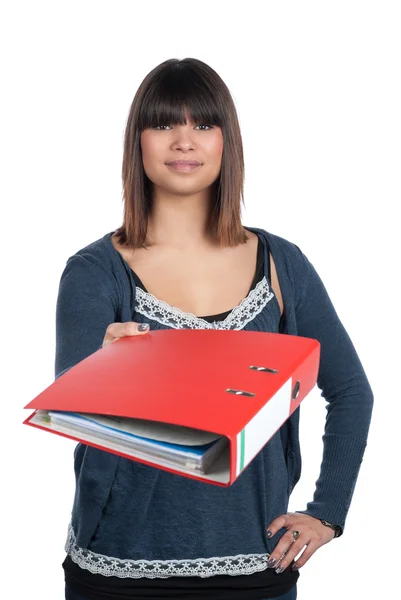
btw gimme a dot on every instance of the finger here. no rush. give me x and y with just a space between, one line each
306 554
286 550
115 331
288 556
129 328
278 523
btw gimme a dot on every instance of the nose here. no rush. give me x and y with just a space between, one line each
183 137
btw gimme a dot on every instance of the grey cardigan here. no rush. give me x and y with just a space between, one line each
132 520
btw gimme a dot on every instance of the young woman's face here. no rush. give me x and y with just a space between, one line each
202 144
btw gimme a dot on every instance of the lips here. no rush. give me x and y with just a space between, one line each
184 166
184 163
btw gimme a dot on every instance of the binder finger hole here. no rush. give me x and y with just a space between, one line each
295 390
240 393
263 369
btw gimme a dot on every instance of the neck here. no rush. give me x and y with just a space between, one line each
180 221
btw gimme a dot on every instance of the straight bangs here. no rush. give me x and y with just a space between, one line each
178 94
172 92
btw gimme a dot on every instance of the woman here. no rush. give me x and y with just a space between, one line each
182 259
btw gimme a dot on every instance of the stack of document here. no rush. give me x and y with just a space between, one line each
163 443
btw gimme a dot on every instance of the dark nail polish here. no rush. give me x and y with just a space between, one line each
279 570
269 533
143 327
271 562
294 568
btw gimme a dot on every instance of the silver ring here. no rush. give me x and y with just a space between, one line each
295 534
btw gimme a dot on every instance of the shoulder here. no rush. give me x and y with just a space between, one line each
286 254
291 268
100 249
97 260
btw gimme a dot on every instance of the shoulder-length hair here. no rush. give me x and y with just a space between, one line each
168 92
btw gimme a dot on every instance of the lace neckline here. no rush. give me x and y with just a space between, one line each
157 310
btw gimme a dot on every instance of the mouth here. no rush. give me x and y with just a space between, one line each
184 165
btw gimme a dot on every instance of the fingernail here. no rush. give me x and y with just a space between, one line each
279 570
143 327
271 562
294 567
269 533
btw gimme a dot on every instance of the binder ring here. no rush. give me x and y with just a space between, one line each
240 393
263 369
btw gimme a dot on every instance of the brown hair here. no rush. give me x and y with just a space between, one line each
169 91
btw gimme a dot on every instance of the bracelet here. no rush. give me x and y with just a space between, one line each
336 528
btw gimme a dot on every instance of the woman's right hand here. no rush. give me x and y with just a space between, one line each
115 331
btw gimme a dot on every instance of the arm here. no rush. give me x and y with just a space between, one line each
85 308
344 385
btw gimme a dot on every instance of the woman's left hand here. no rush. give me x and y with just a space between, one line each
312 534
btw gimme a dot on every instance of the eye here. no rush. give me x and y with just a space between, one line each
205 125
159 127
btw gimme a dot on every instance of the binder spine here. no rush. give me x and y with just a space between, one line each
263 426
240 447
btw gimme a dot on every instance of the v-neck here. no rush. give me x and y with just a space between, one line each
220 316
236 318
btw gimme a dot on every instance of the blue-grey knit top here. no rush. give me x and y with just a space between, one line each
133 520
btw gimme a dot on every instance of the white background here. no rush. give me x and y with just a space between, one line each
317 89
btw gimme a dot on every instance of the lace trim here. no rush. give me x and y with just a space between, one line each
158 310
241 564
